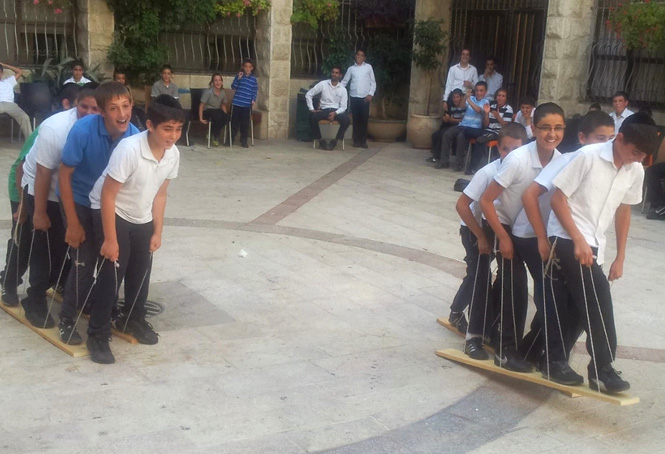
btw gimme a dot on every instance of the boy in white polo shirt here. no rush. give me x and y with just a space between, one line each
597 187
132 196
501 204
478 239
560 334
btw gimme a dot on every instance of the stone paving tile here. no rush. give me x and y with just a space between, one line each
336 434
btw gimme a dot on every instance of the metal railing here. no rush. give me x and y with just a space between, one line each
220 46
612 67
34 33
512 31
309 48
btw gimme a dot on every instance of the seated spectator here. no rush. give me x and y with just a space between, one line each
500 114
138 115
525 115
7 104
462 76
165 85
594 106
332 107
77 74
594 127
493 79
213 107
620 103
471 127
451 118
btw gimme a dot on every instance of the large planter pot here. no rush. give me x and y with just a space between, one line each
419 130
386 130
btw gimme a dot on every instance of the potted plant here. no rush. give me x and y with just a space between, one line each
240 7
313 12
429 41
640 25
390 58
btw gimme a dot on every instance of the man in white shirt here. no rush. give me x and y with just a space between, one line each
332 106
621 112
7 104
77 74
596 188
493 79
362 85
40 180
463 76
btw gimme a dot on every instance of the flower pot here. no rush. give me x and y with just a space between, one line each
386 130
419 130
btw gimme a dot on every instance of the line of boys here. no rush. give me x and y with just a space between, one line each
561 243
111 186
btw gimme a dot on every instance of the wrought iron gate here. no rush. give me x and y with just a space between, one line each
512 31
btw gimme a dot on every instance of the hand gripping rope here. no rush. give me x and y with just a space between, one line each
131 309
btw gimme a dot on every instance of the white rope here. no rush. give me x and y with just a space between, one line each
32 242
503 274
138 293
55 288
473 293
512 298
547 344
586 307
487 289
602 317
94 281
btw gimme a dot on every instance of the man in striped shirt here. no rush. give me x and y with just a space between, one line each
246 87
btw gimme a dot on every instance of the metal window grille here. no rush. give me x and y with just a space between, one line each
511 31
612 67
34 33
220 46
309 48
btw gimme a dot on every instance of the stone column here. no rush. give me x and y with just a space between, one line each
94 33
273 44
568 36
429 9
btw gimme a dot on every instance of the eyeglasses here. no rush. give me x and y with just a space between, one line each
551 128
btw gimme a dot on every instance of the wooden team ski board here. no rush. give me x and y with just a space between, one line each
119 334
621 399
51 334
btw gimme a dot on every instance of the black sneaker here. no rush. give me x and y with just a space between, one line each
139 328
9 297
431 159
560 372
68 333
511 361
458 320
99 348
331 145
474 349
37 313
608 381
244 145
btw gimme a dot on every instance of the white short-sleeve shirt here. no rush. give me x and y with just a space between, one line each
516 173
595 188
523 227
618 119
47 150
133 164
7 89
476 187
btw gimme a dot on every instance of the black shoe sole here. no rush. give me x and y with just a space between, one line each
593 384
10 303
562 382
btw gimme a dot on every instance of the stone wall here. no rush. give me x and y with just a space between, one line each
569 32
94 33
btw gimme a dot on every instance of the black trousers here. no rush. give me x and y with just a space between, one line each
240 118
512 299
449 144
475 289
589 291
48 251
437 138
84 260
652 179
360 112
218 119
134 266
16 261
342 118
463 145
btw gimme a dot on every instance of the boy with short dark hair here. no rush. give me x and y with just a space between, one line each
501 204
478 240
165 85
247 88
77 74
85 156
131 194
621 111
451 117
596 188
525 115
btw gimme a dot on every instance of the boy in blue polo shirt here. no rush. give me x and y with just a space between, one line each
84 158
131 194
246 87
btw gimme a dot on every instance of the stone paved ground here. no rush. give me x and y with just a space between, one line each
323 336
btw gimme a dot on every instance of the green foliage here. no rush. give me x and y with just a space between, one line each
313 12
391 60
136 47
239 7
429 41
640 25
340 53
